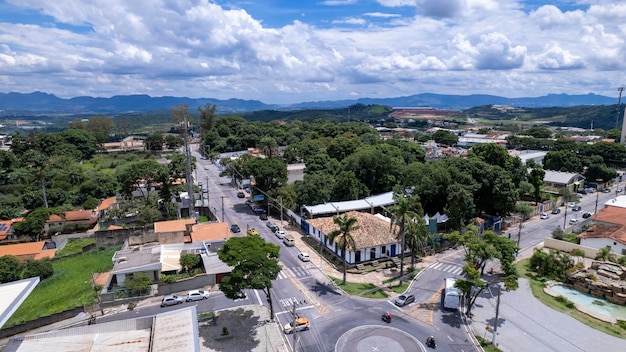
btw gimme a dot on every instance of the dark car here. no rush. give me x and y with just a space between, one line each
263 216
586 215
576 208
556 211
235 228
241 195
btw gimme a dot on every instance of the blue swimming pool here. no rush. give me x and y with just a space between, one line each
599 305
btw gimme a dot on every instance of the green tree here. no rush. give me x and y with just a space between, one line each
416 237
100 127
605 254
207 117
459 207
141 175
189 261
173 142
553 265
10 269
343 237
255 266
446 138
536 179
154 142
138 283
148 214
268 145
34 222
270 174
42 268
406 209
480 248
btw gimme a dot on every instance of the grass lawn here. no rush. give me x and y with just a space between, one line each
75 246
537 287
69 287
360 289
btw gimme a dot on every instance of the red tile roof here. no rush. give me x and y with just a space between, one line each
611 223
173 225
210 231
74 215
23 249
106 204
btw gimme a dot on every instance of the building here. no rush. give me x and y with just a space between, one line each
173 231
30 250
79 220
609 228
375 238
558 179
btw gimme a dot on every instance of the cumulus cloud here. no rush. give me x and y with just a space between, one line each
400 47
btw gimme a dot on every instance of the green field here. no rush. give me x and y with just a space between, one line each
69 287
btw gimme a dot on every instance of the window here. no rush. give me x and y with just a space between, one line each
373 253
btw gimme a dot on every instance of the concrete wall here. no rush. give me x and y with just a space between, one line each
135 236
194 283
39 322
569 247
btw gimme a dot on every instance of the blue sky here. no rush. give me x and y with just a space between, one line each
280 51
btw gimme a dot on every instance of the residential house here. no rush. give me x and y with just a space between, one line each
6 229
209 232
375 238
105 206
558 179
173 231
608 230
30 250
71 220
129 261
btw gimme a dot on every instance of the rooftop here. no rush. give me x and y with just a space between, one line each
372 230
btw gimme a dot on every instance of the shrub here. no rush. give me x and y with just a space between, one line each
189 261
42 268
138 282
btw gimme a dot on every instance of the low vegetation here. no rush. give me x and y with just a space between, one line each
366 290
70 286
75 246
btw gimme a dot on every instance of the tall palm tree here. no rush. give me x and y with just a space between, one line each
416 236
268 145
343 237
401 213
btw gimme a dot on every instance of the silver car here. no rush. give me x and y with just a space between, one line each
197 295
171 300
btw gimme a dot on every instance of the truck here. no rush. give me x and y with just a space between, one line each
451 294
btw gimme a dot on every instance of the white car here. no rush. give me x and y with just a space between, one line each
280 234
544 216
197 295
304 257
573 221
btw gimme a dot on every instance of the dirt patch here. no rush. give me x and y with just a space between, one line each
101 278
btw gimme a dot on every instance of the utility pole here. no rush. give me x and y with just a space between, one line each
281 213
619 107
189 178
598 181
223 219
519 232
293 328
495 323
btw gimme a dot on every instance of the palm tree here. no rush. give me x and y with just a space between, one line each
344 238
268 145
605 254
416 237
401 213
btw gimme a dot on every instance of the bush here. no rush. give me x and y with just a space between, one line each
189 261
10 269
139 282
167 279
42 268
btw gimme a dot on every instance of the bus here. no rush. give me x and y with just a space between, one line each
451 294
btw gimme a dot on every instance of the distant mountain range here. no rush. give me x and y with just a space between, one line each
43 103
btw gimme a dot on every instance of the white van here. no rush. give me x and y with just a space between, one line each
289 240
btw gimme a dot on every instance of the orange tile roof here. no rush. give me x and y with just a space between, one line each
611 224
46 253
106 204
173 225
21 249
73 215
6 227
115 227
210 231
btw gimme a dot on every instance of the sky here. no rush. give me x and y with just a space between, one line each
290 51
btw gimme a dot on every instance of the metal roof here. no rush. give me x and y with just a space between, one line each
560 177
13 295
376 201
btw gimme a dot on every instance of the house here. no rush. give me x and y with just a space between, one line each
30 250
209 232
6 229
104 207
375 238
173 231
558 179
609 230
129 261
69 221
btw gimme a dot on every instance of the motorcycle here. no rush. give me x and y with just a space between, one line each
386 318
431 343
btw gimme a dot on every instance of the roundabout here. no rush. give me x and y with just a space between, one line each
372 338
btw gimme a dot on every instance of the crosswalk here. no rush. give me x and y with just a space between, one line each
454 269
296 272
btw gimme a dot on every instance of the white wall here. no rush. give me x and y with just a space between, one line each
616 247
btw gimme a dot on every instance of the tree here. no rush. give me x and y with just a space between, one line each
154 142
605 254
343 237
446 138
141 175
479 248
189 261
138 282
524 210
173 142
207 117
268 145
552 265
536 179
10 269
42 268
406 209
34 222
416 236
255 265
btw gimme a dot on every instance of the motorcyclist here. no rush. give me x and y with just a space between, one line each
388 316
430 341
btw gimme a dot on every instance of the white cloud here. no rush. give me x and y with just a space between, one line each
200 49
